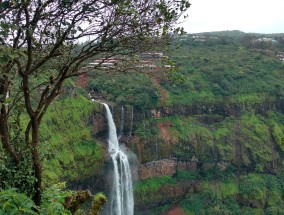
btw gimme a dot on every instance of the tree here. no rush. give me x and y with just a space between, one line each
39 50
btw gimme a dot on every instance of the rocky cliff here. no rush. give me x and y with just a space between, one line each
209 139
171 140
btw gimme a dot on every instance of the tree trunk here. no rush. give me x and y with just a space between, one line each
36 162
5 139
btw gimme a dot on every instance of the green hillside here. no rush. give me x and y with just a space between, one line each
222 105
227 101
219 112
233 70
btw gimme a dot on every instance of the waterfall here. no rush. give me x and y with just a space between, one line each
131 123
121 123
112 110
121 202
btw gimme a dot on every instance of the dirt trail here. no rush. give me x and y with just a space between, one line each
163 92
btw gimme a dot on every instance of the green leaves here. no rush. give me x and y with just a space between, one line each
7 53
4 28
66 4
12 202
3 58
53 198
98 202
4 5
19 176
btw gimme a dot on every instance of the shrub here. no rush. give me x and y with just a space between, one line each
12 202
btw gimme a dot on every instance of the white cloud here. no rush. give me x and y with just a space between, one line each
246 15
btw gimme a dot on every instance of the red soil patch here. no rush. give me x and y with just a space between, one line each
82 80
175 211
164 130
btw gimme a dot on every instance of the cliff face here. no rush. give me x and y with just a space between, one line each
210 135
164 167
169 141
221 109
182 132
159 133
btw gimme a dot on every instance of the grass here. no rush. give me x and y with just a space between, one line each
153 184
66 135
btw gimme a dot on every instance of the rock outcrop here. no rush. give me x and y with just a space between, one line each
222 109
157 168
164 167
164 152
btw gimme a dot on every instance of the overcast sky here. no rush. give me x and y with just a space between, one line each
259 16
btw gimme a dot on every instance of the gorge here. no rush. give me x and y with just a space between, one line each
212 147
109 107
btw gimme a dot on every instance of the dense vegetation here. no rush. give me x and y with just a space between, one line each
220 194
124 89
245 137
72 152
69 153
232 70
39 51
225 110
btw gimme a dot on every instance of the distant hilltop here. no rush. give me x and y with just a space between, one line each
222 37
234 33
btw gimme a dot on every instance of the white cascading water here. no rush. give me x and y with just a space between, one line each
121 123
131 123
122 202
